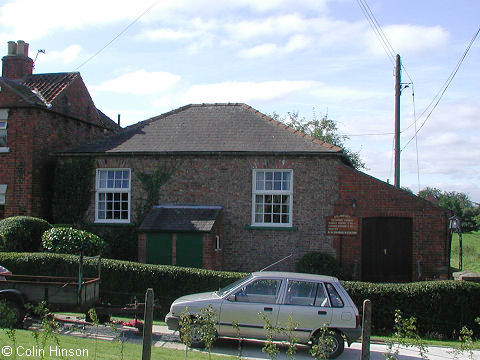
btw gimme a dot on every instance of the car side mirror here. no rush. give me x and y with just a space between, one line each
232 297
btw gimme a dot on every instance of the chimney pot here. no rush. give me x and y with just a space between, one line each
12 48
21 47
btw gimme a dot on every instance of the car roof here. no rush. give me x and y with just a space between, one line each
294 275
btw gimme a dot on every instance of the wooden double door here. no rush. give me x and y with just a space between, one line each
387 249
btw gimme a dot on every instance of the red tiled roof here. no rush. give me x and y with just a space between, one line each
48 86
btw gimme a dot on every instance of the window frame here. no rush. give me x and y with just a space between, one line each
3 194
99 189
271 192
4 129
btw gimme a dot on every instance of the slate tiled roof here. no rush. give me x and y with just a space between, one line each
210 128
191 218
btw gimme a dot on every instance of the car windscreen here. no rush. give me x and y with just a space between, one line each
231 286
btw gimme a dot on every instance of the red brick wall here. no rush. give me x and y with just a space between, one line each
321 187
375 198
33 136
75 101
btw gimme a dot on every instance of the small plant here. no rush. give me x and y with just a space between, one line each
290 326
185 324
92 314
239 339
466 343
405 333
270 347
7 321
49 327
323 344
120 338
207 327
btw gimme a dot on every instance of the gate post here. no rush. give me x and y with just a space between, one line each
147 328
366 329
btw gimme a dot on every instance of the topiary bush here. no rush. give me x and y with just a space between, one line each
72 241
318 263
22 233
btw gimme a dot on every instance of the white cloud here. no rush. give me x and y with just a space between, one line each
259 51
167 34
409 39
244 91
139 82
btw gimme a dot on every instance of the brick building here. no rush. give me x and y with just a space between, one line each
40 114
233 189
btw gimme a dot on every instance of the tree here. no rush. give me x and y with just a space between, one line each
323 129
458 203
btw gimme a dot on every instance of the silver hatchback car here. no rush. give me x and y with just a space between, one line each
312 301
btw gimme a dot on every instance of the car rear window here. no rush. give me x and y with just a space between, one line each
333 295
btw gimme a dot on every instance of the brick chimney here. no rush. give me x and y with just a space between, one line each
16 64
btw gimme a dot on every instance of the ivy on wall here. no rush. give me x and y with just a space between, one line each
151 185
73 190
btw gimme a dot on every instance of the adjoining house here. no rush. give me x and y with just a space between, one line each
40 114
223 186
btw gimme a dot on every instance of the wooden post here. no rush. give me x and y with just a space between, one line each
366 329
147 327
460 251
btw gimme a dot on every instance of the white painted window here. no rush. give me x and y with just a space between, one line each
112 196
272 198
3 191
3 133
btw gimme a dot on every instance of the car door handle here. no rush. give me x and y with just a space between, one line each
322 312
267 309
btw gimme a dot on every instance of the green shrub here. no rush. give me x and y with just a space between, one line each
22 233
121 241
318 263
72 241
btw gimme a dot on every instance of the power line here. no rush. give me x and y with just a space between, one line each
118 35
444 87
377 29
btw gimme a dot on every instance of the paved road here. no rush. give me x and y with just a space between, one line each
162 337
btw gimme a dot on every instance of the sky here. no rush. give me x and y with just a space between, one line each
314 57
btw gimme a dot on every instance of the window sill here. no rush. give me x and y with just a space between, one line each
279 228
4 149
98 223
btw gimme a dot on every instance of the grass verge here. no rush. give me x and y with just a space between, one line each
81 348
471 251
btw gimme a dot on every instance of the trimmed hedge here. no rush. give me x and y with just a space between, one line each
22 233
123 281
439 306
72 241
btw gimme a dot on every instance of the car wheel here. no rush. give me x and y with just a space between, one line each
331 344
195 336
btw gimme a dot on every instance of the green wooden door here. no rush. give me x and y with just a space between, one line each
159 248
190 250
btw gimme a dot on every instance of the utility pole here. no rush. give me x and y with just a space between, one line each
398 91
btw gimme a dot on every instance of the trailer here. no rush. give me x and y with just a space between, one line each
76 294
